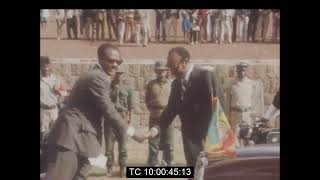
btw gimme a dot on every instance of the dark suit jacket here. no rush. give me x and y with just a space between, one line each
79 126
276 100
195 109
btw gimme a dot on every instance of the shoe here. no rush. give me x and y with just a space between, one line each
192 43
122 172
109 172
144 45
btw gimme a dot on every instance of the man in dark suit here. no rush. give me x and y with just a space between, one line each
191 99
272 109
77 134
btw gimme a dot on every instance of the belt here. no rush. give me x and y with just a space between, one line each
156 108
240 109
48 108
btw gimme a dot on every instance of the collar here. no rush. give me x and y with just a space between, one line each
47 79
187 77
99 67
244 79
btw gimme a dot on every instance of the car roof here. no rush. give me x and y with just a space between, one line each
259 150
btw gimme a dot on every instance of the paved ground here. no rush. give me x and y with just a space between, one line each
138 155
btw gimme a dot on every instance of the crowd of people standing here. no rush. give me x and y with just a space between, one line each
198 25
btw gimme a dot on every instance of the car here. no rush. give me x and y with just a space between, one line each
259 162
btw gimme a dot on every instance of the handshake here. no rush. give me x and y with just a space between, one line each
140 137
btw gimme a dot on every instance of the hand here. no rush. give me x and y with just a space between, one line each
214 103
139 137
153 132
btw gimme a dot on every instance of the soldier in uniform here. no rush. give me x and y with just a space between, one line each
121 96
157 95
263 25
241 99
50 94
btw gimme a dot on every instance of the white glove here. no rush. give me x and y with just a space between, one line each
130 131
99 161
153 132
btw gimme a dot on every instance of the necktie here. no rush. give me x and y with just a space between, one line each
183 87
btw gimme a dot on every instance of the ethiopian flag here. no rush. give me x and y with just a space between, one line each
220 140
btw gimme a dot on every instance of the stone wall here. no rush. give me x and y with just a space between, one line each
139 72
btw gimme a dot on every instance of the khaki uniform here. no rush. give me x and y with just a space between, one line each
241 102
263 25
48 104
157 96
121 96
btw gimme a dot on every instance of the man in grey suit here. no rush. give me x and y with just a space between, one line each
77 134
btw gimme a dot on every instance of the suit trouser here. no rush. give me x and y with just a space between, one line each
203 29
129 28
172 25
90 22
252 27
226 25
262 26
72 25
81 24
111 136
63 164
168 152
121 31
215 28
142 29
100 25
234 28
243 28
191 148
160 22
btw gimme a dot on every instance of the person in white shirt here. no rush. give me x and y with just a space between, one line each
226 25
52 91
44 17
141 22
273 109
241 101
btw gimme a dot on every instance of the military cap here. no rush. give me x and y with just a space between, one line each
242 66
160 65
120 70
44 60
